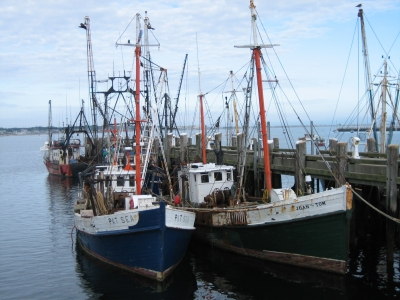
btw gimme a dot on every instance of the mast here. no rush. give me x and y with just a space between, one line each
137 102
234 105
49 125
175 109
203 128
369 82
256 55
91 74
394 116
137 120
384 113
146 63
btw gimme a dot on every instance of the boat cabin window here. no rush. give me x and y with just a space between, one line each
120 181
217 176
131 180
228 176
204 178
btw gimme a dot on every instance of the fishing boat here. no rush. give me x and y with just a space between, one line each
120 225
308 230
62 157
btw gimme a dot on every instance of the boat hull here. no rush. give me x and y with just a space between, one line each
311 231
315 242
66 170
148 247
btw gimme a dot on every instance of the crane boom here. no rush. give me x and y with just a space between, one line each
179 92
91 76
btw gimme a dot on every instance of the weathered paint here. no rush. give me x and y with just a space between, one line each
147 241
310 231
318 243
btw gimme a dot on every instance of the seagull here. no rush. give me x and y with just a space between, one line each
359 5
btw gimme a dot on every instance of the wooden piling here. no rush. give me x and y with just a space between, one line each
218 140
156 147
168 146
234 141
276 143
391 199
301 151
183 146
276 178
256 145
341 154
332 144
371 145
198 145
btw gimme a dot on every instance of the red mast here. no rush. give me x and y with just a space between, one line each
257 54
267 165
137 119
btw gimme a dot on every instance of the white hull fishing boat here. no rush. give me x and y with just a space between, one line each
311 230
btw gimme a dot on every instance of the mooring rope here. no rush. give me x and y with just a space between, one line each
374 208
72 230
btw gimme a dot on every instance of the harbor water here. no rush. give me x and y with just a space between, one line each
39 258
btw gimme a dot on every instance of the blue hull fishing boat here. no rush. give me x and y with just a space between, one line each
149 240
120 225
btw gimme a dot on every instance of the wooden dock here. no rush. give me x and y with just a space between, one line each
370 169
374 176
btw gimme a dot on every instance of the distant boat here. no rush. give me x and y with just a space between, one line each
62 157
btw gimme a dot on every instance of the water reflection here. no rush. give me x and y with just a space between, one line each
239 277
102 281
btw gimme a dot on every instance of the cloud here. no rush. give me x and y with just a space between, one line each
43 52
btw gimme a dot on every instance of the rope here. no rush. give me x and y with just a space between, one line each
127 27
374 208
100 203
265 196
71 234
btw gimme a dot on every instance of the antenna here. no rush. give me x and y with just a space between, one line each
203 130
198 64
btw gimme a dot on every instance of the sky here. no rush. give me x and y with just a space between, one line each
43 52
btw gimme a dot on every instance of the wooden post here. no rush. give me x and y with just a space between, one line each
198 145
168 145
256 145
332 143
391 199
234 141
341 154
156 145
177 141
300 162
276 143
276 178
371 147
218 140
240 141
183 146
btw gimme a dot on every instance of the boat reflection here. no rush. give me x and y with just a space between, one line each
238 277
102 281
